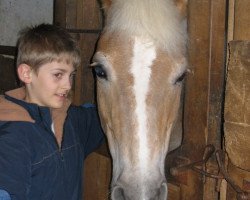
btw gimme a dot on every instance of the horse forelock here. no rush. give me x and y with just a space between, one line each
158 20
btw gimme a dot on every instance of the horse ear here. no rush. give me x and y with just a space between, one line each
105 5
182 7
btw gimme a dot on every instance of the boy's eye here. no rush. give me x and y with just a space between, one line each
58 75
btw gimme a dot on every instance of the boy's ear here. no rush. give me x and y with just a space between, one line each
24 73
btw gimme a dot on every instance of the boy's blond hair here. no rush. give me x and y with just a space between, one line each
45 43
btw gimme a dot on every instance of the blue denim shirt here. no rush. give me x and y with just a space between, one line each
4 195
33 167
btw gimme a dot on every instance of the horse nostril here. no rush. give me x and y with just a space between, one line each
163 191
117 193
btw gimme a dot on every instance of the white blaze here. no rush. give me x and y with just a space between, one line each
143 56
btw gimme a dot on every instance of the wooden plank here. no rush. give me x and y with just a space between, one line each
238 20
196 94
84 84
78 14
8 75
216 71
242 20
71 14
89 15
237 105
238 29
97 173
196 88
203 92
60 13
237 115
216 88
8 50
230 26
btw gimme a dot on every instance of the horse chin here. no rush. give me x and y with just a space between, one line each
133 183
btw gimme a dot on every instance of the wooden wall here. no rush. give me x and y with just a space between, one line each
238 58
8 75
203 96
212 25
238 20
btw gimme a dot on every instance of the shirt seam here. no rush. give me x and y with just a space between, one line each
48 156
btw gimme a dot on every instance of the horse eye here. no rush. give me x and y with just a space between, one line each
180 78
100 72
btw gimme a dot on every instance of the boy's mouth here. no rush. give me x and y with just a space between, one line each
62 95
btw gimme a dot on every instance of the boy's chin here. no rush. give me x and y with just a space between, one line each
57 106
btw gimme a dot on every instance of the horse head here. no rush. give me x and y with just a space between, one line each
140 63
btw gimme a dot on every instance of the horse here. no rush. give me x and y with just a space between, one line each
140 63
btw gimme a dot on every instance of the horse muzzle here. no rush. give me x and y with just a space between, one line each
123 193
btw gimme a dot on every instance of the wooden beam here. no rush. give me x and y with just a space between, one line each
8 50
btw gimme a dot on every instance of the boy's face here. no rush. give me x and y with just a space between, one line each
51 84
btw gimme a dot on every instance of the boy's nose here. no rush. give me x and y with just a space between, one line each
67 84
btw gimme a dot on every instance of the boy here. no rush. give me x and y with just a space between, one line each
43 138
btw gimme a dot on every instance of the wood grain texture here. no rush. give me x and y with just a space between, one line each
242 20
237 105
203 92
97 173
9 79
236 138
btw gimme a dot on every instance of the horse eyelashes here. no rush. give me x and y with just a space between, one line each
180 78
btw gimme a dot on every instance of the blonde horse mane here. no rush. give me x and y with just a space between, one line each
157 20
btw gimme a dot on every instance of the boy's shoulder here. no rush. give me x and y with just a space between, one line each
10 111
83 113
82 109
